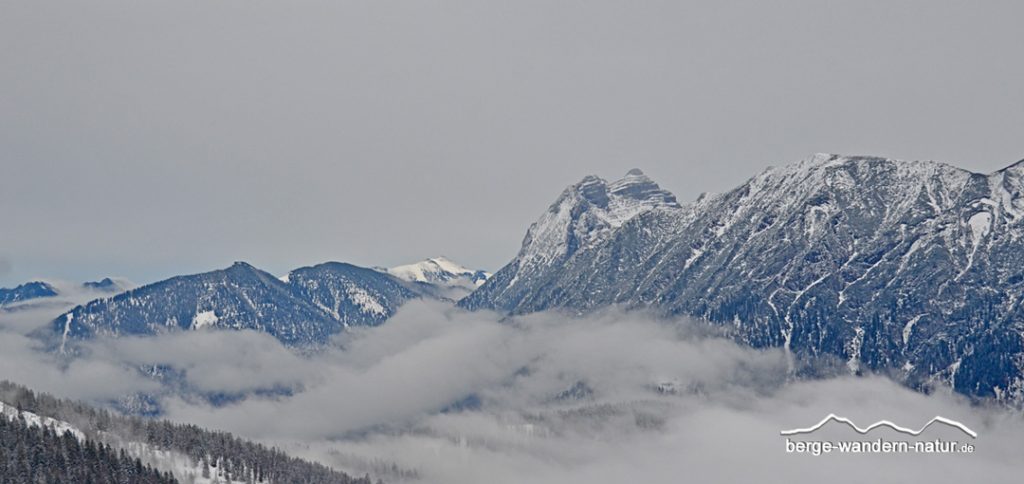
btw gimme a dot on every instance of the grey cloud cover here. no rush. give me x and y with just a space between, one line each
652 400
149 139
719 420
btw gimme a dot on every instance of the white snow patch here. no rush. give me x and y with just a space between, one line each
909 327
854 347
447 265
980 224
182 466
67 330
1008 202
953 369
58 426
204 319
693 257
366 302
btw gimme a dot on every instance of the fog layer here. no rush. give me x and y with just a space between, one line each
441 395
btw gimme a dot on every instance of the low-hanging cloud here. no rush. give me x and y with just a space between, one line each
25 359
441 395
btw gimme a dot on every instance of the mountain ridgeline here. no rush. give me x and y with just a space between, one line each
303 308
907 268
26 292
29 294
911 269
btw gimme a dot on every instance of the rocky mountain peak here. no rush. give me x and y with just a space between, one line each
906 267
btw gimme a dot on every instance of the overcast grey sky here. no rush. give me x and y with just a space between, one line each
147 139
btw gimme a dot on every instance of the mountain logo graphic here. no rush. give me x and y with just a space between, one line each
882 423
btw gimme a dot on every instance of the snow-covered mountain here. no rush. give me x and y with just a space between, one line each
26 292
107 285
585 216
35 291
304 308
451 280
909 268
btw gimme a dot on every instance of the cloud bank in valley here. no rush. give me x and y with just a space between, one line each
24 359
440 395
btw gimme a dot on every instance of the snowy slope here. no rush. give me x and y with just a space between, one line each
350 294
183 468
11 413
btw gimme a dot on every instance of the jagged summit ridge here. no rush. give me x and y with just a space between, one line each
587 211
885 265
584 216
637 186
26 292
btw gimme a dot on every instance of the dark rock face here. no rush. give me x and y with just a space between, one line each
908 268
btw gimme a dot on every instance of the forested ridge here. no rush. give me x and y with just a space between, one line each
218 456
37 454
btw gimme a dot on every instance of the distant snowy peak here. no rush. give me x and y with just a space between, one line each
35 292
439 270
439 278
108 285
26 292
